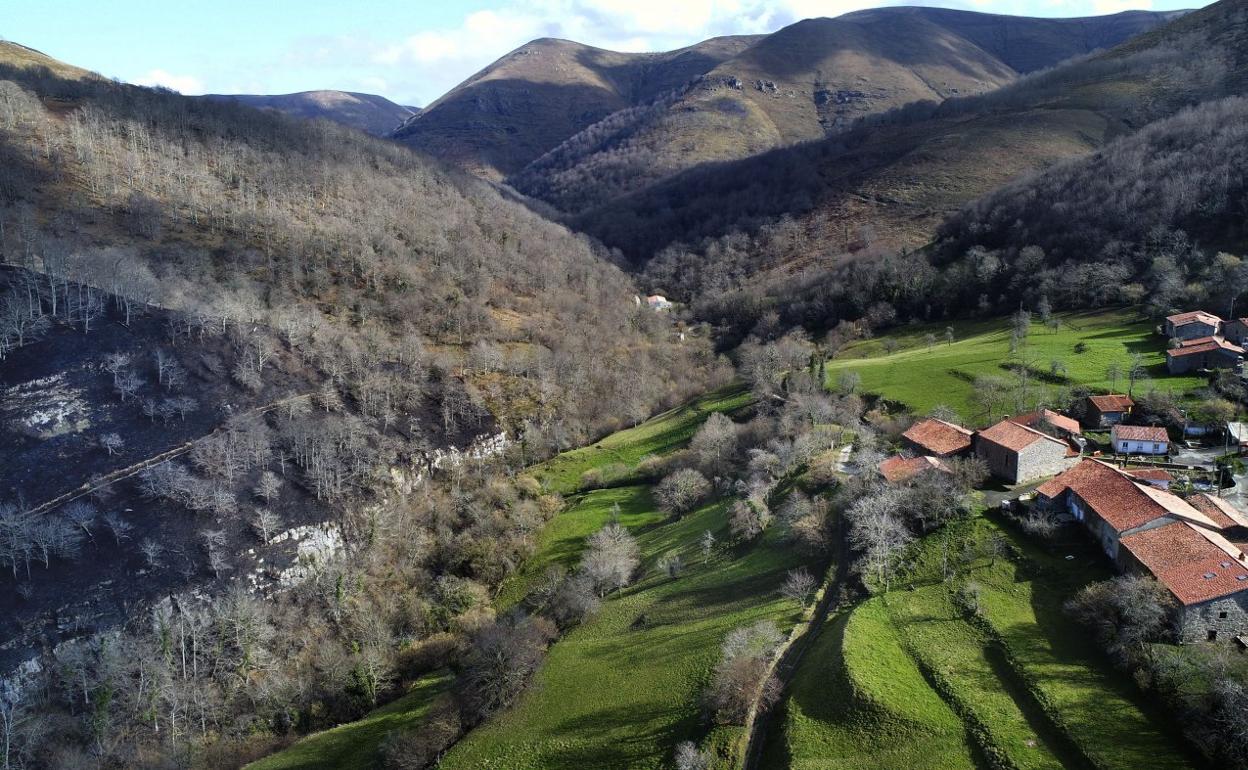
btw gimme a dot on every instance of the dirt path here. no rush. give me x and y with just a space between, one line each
131 470
790 656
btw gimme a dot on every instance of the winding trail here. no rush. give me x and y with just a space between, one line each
130 470
789 657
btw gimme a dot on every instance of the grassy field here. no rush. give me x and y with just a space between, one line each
858 700
922 377
687 620
1104 712
659 435
623 689
354 746
860 688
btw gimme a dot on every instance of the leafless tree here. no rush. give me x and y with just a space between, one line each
682 491
115 364
112 443
268 486
715 441
120 528
688 757
127 384
798 586
610 559
82 514
742 677
265 523
152 552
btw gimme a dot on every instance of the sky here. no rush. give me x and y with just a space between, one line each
410 52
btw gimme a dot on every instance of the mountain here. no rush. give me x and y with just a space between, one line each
540 94
892 180
809 80
225 339
369 113
18 55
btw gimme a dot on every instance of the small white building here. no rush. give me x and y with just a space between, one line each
658 302
1140 440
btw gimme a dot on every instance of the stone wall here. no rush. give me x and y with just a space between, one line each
1196 621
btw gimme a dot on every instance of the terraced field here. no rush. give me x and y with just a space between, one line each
922 373
622 690
1018 685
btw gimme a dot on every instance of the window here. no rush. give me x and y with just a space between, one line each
1222 615
1213 635
1156 447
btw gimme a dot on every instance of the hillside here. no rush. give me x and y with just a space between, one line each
369 113
538 95
229 352
809 80
794 222
18 55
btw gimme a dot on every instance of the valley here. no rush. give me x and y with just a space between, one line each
819 393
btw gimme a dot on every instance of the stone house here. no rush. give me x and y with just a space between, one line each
1140 440
938 438
1204 353
1236 331
1018 454
1205 572
1103 411
1193 547
1193 325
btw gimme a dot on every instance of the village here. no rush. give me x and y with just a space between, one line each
1153 504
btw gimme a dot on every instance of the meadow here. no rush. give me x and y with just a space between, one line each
1022 680
623 689
354 746
922 374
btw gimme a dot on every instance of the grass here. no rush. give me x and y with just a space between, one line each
1105 713
858 700
921 377
622 690
659 435
354 746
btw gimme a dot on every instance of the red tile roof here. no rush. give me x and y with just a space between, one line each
1195 566
1015 437
1181 319
1112 403
1118 499
939 437
1048 417
1220 511
1150 474
1153 433
1203 345
898 468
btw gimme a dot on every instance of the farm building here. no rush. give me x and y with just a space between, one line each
1140 440
1193 325
938 438
1192 547
1204 353
1108 410
1236 330
1050 422
897 469
658 302
1018 454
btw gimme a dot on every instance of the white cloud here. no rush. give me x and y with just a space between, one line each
184 84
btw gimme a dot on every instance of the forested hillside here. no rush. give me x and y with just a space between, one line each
231 345
370 113
809 80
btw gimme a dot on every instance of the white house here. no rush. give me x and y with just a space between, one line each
1140 440
658 302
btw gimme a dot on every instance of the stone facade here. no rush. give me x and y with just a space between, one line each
1039 459
1219 620
1191 330
1209 359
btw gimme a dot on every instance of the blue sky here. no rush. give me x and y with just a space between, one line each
409 51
